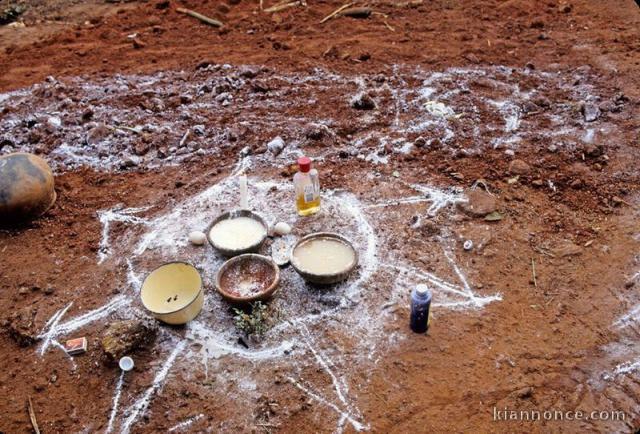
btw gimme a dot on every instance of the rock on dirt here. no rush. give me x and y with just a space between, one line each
479 203
363 101
590 112
567 248
519 167
276 146
21 328
124 337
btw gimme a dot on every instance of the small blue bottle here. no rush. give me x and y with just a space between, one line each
420 305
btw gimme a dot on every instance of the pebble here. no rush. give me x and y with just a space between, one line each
519 167
197 238
590 112
276 146
363 101
509 152
479 203
282 228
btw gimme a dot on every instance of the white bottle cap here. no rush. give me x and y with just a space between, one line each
422 289
126 363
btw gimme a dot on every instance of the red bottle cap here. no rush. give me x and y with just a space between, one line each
304 163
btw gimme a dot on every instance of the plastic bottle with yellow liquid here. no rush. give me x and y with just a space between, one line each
307 188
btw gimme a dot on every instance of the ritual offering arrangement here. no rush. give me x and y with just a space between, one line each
247 278
237 232
307 188
324 258
173 293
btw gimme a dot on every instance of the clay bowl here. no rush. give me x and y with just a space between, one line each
247 278
173 293
324 279
234 214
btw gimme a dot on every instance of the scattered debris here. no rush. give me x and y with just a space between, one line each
359 12
203 18
285 5
32 416
336 12
76 346
124 337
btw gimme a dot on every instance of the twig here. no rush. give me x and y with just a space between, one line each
261 5
203 18
336 12
282 6
533 270
32 416
388 26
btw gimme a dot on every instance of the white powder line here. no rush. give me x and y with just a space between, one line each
69 356
463 279
402 201
626 368
132 278
115 214
445 286
323 363
51 333
628 318
92 316
140 406
341 423
186 424
356 425
115 402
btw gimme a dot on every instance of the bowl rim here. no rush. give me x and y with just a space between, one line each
332 235
238 213
197 294
247 299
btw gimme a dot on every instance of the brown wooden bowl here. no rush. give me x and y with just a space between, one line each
248 278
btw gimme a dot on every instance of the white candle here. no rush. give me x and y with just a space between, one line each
244 194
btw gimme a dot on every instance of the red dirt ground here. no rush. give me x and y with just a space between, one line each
546 345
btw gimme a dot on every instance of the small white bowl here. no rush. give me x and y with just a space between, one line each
126 363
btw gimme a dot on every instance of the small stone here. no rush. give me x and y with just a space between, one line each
509 152
314 132
197 238
276 146
282 228
566 249
363 101
97 134
124 337
590 111
49 290
525 393
592 150
537 182
132 161
420 142
629 283
552 148
21 328
137 43
519 167
479 203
